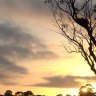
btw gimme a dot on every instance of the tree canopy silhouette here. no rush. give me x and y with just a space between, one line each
28 93
8 93
86 90
19 93
76 21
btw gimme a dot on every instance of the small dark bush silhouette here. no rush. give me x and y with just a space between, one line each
28 93
8 93
19 93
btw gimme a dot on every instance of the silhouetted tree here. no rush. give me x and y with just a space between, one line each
28 93
86 90
59 95
1 95
8 93
19 93
75 19
68 95
39 95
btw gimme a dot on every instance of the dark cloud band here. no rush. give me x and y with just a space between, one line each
64 81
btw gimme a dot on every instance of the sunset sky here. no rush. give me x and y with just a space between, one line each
31 53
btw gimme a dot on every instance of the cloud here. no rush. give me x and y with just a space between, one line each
16 45
15 42
64 81
8 65
33 6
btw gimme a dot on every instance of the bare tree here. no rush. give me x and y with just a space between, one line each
75 19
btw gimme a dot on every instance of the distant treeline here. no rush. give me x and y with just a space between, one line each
27 93
19 93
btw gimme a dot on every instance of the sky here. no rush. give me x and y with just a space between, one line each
31 53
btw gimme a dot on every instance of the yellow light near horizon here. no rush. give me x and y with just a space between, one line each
73 91
94 86
84 90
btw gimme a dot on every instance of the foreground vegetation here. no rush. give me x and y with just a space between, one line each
86 90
